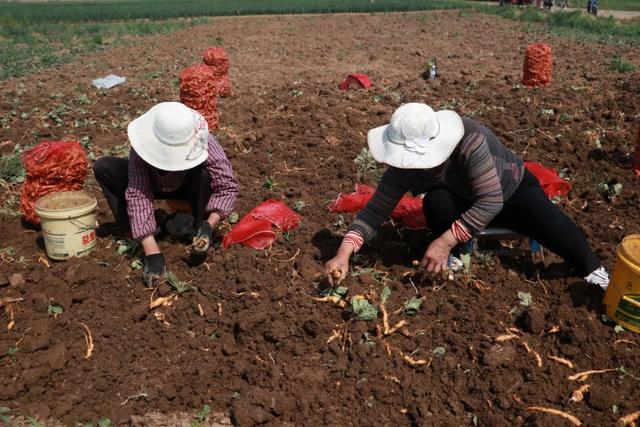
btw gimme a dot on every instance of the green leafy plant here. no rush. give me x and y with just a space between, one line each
11 169
362 309
179 285
202 416
296 93
54 310
233 218
384 296
439 351
620 65
412 306
525 299
299 205
268 183
136 264
4 415
12 352
105 422
127 247
610 191
466 263
367 166
340 291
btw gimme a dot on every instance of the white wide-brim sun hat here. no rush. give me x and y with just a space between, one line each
170 136
416 137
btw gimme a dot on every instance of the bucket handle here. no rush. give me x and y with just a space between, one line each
631 301
82 226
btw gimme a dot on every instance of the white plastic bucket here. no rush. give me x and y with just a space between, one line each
68 221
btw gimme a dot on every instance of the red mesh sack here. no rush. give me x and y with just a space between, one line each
537 65
551 183
197 91
51 166
408 211
636 160
255 228
218 60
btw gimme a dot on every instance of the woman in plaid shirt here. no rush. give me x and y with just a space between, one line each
173 156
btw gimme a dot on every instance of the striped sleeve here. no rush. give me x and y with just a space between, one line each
379 208
139 197
224 185
484 182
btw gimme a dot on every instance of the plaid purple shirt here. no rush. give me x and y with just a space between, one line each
144 180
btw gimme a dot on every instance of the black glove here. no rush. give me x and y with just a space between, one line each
202 240
154 269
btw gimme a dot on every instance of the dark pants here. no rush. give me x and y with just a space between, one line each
528 212
112 173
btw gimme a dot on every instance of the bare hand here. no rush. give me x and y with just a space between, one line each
436 257
336 269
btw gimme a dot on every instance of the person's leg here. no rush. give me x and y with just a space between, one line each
196 189
530 212
441 208
112 173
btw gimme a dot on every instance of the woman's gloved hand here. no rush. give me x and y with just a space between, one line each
201 243
154 269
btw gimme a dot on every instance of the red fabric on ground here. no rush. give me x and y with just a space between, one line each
408 211
197 91
358 79
550 182
538 65
255 228
51 166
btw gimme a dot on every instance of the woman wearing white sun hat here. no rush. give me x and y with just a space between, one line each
172 156
470 180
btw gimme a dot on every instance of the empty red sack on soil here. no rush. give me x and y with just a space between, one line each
51 166
550 182
197 91
255 228
538 65
356 79
408 211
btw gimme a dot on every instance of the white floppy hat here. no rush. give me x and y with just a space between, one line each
417 137
170 136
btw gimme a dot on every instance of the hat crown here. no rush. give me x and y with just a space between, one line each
173 123
413 125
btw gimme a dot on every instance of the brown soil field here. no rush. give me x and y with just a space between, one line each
252 341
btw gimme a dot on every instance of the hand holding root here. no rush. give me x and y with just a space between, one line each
335 270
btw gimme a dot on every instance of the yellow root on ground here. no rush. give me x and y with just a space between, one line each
628 419
160 301
577 395
581 376
571 418
535 354
88 340
562 361
335 299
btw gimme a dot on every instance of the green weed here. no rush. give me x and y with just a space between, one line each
620 65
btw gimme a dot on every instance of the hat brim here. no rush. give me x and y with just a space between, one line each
437 151
153 151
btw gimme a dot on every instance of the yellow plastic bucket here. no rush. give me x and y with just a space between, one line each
68 222
622 299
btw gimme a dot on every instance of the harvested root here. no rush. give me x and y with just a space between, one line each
385 318
415 263
628 419
335 299
161 301
220 309
506 337
571 418
554 330
616 342
414 362
336 275
42 260
8 301
160 318
536 355
88 339
200 243
251 294
200 310
577 395
582 376
336 334
394 329
562 361
12 321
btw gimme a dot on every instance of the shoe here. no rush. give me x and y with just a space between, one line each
598 277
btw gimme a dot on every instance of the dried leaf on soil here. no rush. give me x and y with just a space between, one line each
571 418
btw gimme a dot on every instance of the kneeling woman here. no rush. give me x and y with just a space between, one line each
173 156
470 181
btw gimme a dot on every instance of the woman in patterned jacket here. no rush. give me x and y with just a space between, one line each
470 181
173 156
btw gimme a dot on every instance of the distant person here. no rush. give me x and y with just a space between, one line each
173 156
470 182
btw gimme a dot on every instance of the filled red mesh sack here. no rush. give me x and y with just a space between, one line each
408 211
51 166
218 60
255 228
537 65
636 160
197 91
551 183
